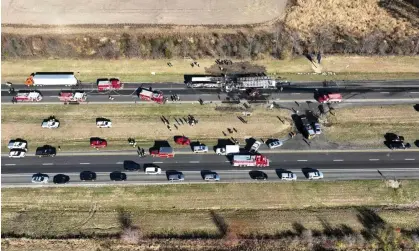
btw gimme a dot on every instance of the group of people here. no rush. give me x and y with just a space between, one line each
141 152
195 63
175 97
224 61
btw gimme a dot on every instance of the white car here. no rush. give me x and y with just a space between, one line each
315 175
51 124
104 124
274 144
200 149
255 146
17 144
17 153
288 176
317 128
152 170
40 178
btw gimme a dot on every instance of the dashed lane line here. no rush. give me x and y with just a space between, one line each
10 164
47 164
338 160
193 161
157 162
373 159
302 160
84 163
409 159
119 163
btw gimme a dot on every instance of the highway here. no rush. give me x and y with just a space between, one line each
334 165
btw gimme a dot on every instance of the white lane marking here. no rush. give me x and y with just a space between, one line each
84 163
48 164
194 161
409 159
374 159
227 161
338 160
384 92
297 93
413 92
302 160
118 163
157 162
10 164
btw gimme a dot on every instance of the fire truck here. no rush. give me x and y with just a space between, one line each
155 96
70 96
330 98
250 160
163 152
109 84
28 96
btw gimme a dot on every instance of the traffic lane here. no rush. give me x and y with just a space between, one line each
225 176
274 157
199 166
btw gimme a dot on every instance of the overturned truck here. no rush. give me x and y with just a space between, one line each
231 82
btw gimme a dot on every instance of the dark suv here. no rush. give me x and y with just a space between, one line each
46 151
398 145
87 175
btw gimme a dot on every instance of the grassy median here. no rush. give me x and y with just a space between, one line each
346 68
142 122
366 126
176 210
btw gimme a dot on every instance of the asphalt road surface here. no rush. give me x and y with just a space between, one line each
335 166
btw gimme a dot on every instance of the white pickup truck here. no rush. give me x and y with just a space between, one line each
104 124
52 123
17 144
200 149
255 147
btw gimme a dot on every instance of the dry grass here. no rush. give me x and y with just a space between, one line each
356 18
142 122
157 211
367 126
140 70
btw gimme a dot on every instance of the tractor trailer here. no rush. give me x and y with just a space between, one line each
52 78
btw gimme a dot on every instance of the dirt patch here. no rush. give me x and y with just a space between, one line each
366 126
140 122
190 12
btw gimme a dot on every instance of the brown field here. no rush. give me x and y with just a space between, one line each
142 122
59 12
366 126
157 212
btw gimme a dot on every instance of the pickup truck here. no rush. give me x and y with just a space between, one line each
200 149
104 124
17 144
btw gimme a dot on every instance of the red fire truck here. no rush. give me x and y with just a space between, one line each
70 96
155 96
28 96
109 84
250 160
330 98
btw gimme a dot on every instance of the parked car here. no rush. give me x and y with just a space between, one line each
40 178
212 177
288 176
315 175
317 128
255 146
398 145
200 149
275 144
130 165
61 179
46 151
176 177
17 144
87 175
258 175
50 123
152 170
17 153
182 140
392 137
118 176
103 124
98 143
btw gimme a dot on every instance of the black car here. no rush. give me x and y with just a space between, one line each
398 145
87 175
46 151
118 176
131 166
61 179
391 137
258 175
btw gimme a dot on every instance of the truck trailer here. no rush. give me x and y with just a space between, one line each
250 160
155 96
109 84
52 78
